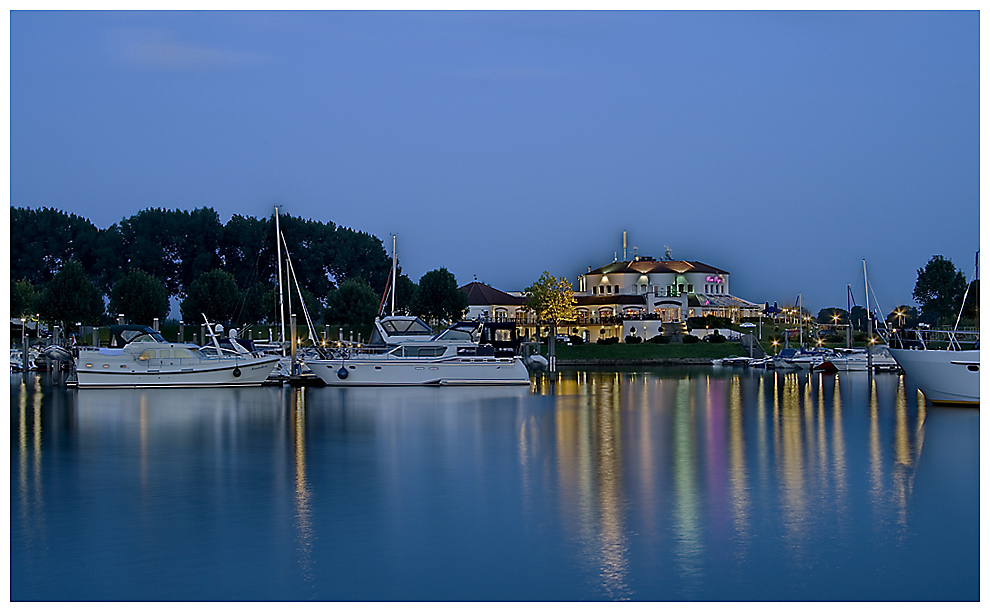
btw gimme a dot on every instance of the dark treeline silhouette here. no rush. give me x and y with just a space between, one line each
176 247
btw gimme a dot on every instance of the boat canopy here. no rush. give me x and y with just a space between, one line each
125 334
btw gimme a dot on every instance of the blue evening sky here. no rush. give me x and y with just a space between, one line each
783 147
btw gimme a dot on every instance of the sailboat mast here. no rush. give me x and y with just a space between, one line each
278 258
869 323
393 275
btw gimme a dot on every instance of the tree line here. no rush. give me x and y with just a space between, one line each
939 290
65 269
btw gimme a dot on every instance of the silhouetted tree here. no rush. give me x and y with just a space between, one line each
140 297
939 289
214 294
858 318
22 297
70 297
405 294
903 316
826 316
42 241
438 298
354 302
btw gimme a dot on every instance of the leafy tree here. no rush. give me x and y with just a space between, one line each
903 316
552 299
405 294
258 304
354 302
971 311
939 289
310 245
360 255
42 241
214 294
140 296
827 316
438 297
70 297
247 250
22 297
196 243
858 318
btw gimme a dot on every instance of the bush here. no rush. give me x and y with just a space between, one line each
708 322
715 338
660 339
607 341
689 339
633 339
576 340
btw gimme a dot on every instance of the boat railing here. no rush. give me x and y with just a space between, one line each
942 339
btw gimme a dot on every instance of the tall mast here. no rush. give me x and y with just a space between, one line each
393 275
866 282
281 310
869 323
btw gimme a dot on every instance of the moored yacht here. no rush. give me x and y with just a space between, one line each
138 356
466 353
858 360
944 364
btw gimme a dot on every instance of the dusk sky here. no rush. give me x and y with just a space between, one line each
782 147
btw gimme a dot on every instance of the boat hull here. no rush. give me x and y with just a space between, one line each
461 371
945 377
251 372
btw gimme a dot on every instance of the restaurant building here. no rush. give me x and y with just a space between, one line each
641 297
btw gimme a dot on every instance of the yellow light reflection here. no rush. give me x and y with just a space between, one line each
304 525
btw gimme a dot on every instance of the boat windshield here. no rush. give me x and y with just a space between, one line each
153 337
456 332
406 327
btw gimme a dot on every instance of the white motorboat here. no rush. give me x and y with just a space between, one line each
467 353
139 357
857 359
945 365
800 359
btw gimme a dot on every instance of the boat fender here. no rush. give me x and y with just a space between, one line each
237 372
342 373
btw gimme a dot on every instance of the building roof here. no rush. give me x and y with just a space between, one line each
652 266
480 294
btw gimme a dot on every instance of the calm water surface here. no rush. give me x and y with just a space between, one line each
665 484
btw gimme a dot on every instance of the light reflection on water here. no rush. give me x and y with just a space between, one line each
674 484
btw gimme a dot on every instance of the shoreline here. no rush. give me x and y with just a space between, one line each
672 361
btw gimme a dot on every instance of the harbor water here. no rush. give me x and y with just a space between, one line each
664 484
